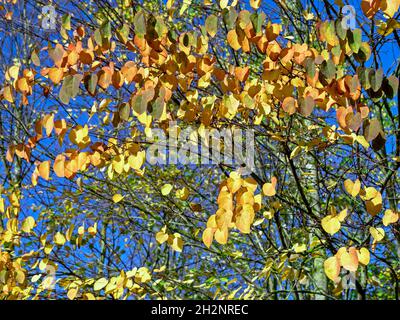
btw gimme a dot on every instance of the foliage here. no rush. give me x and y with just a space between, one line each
84 216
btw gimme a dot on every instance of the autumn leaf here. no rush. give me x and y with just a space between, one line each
269 189
332 268
117 198
44 170
352 188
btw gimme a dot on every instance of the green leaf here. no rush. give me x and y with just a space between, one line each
363 75
124 111
105 30
340 31
391 86
212 25
139 22
98 37
328 31
244 19
66 89
123 33
364 53
91 83
376 78
328 70
372 129
66 22
229 17
310 67
257 19
160 27
70 87
166 189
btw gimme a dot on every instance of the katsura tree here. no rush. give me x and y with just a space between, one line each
85 212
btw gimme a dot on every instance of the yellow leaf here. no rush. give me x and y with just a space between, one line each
290 105
352 188
272 30
117 198
295 152
136 161
342 215
100 284
8 94
269 188
59 166
374 206
93 230
161 236
255 4
118 164
234 182
369 193
245 218
166 189
56 75
69 232
269 214
48 123
208 235
182 194
331 224
177 242
373 200
370 7
59 239
363 256
81 230
390 7
13 72
44 170
308 15
80 136
349 260
233 40
221 235
361 140
28 224
390 217
170 3
72 293
299 248
223 3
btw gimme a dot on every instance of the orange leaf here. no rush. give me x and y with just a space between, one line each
349 260
48 123
59 166
233 40
56 75
242 73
